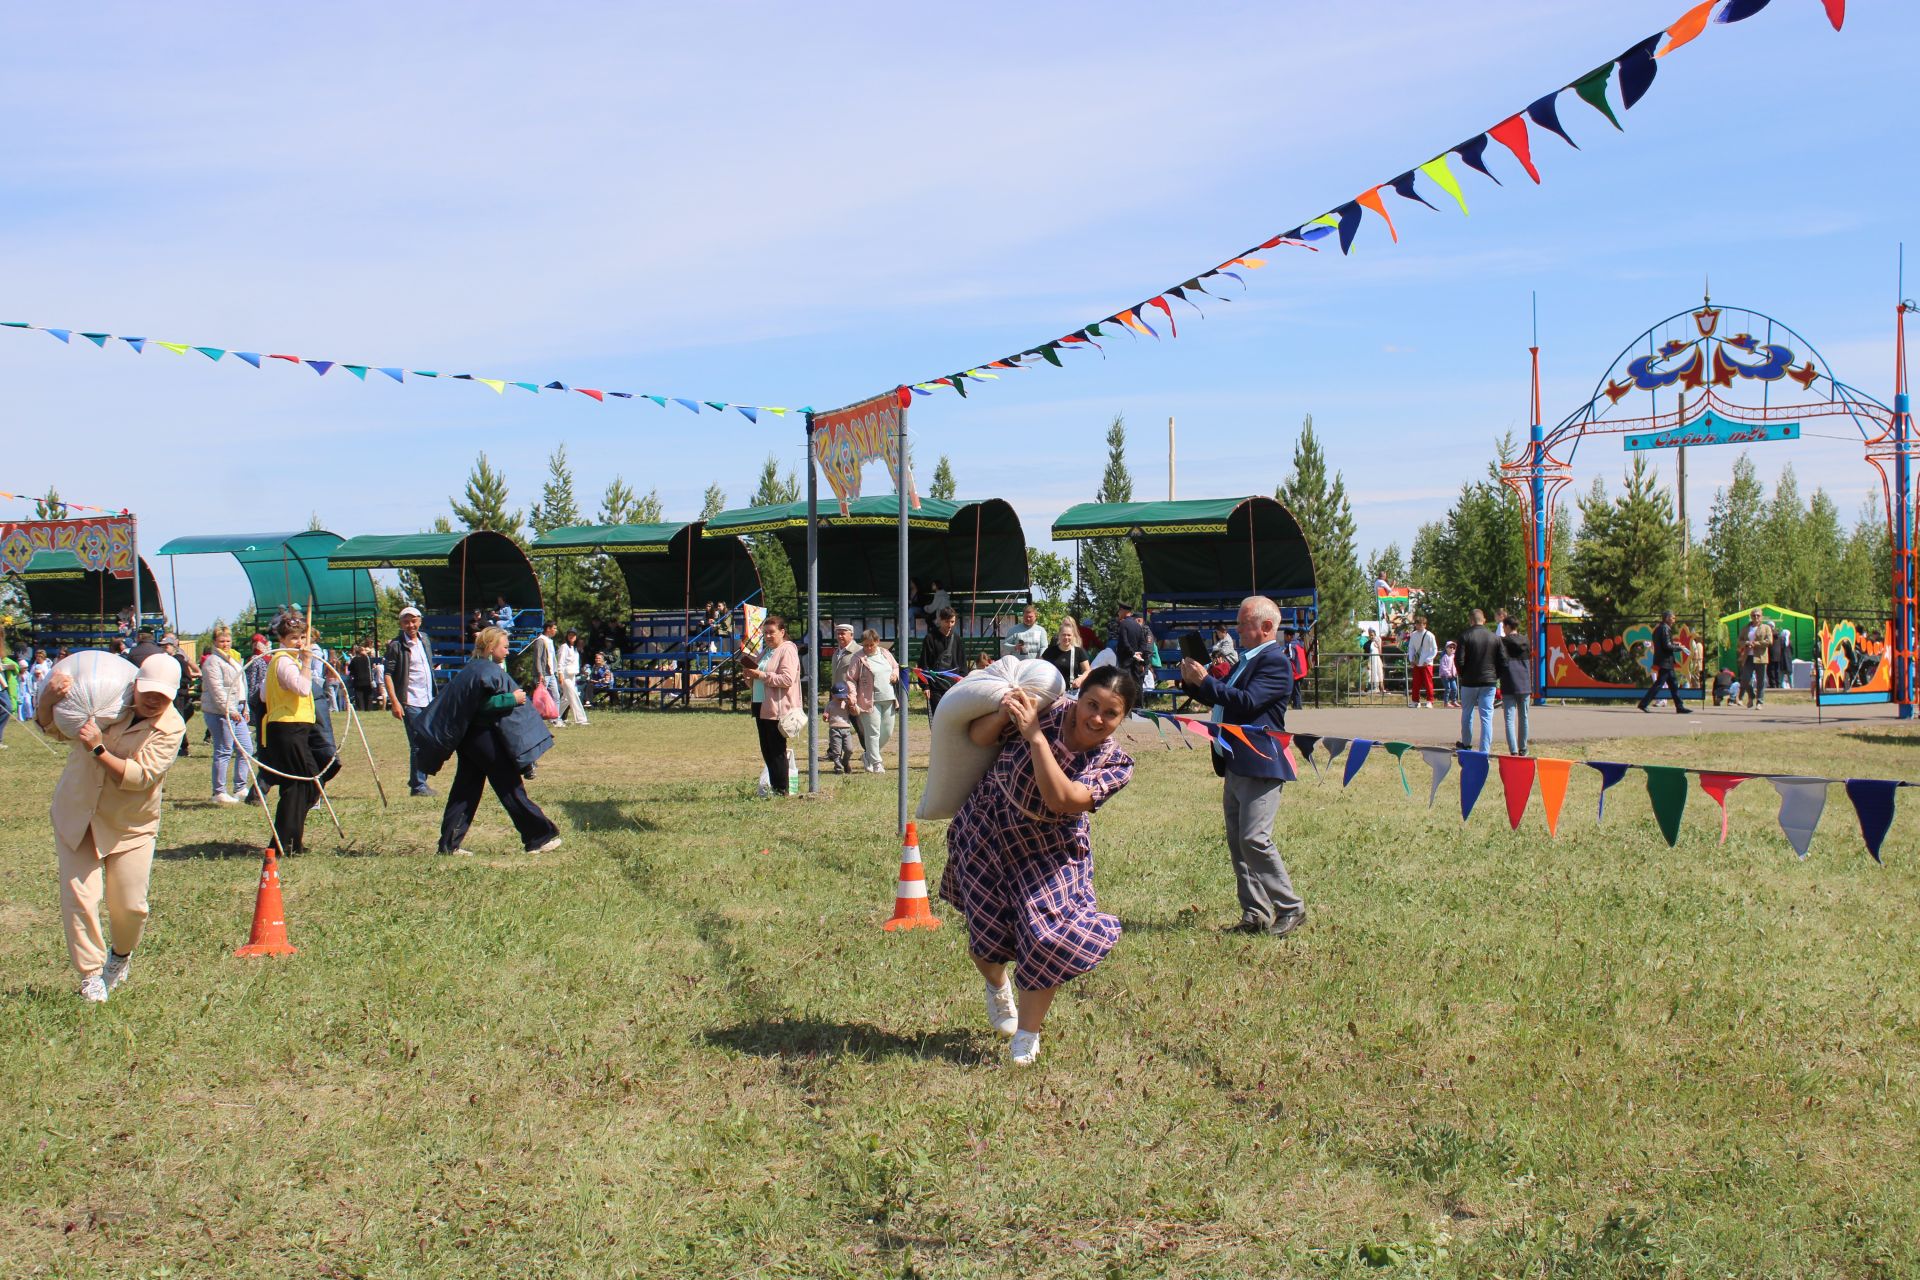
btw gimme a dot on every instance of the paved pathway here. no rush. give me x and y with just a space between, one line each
1586 721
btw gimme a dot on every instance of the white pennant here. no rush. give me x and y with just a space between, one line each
1440 760
1802 801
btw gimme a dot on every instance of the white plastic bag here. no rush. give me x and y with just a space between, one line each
102 690
955 764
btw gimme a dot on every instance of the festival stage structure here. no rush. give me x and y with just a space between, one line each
74 607
458 573
1199 557
292 570
672 574
1718 375
975 550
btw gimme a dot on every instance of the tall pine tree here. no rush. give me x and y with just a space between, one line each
714 503
1318 500
943 486
569 599
485 506
778 591
1110 567
1625 566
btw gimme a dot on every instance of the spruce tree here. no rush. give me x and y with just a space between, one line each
778 590
1477 557
569 599
649 510
1110 567
486 501
1318 500
943 486
1625 567
50 507
714 503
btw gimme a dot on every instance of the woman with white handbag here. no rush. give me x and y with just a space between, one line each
777 671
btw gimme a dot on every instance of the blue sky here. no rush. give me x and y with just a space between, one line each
807 204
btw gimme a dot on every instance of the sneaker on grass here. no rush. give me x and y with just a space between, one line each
1003 1012
114 972
94 989
1024 1051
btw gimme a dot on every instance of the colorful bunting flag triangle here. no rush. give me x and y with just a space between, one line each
1873 805
1356 757
1610 772
1667 792
1717 785
1516 784
1802 801
1473 776
1440 760
1552 776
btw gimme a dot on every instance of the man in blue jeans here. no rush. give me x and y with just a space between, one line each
1477 660
410 689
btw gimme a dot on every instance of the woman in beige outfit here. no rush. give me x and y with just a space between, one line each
106 816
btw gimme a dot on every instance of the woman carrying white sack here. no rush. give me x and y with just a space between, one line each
106 816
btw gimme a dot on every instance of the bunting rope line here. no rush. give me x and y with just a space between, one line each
1636 69
65 506
751 412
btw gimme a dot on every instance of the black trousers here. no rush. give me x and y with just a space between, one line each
1662 676
301 750
773 750
480 761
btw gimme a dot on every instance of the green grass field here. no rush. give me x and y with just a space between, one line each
682 1046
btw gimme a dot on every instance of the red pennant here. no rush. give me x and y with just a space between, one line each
1516 779
1371 199
601 396
1717 785
288 359
1511 133
1162 304
1837 13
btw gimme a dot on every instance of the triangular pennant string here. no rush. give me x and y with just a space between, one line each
1552 776
1473 776
1162 304
1667 792
211 353
1802 801
1717 785
1511 133
1370 199
1440 760
1545 112
1241 734
1306 741
1637 70
1334 747
1688 27
1349 223
1437 169
1356 757
1873 805
1610 773
1398 750
321 366
1403 186
66 335
357 370
1474 152
398 375
1741 10
251 357
97 339
1516 783
1592 89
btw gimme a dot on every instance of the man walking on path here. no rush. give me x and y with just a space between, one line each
1422 650
409 682
1477 658
545 667
1254 693
1756 651
1664 654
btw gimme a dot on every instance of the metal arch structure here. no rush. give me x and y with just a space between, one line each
1692 368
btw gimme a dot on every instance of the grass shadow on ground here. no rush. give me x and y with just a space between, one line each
605 815
786 1038
1883 739
210 849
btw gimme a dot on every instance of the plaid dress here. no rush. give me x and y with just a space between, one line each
1022 874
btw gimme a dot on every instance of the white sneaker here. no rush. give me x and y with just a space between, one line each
114 972
94 990
1025 1049
1003 1011
548 847
227 797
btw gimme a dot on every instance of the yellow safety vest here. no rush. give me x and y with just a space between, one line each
283 705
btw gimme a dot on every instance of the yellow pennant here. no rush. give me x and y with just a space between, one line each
499 385
178 348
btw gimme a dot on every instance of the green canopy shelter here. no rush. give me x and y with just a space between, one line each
972 549
458 573
1204 549
1803 639
666 566
293 569
59 585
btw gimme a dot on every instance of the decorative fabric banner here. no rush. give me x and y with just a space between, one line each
102 544
1667 790
1516 781
1717 785
1873 803
1637 68
1802 801
751 412
1440 760
1552 775
845 440
1334 747
1305 742
1610 773
1473 776
1356 758
1398 750
1289 767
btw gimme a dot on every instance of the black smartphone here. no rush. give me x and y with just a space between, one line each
1193 645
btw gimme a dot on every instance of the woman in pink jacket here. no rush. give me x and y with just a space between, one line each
777 672
874 695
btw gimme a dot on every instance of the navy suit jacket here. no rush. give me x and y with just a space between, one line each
1257 696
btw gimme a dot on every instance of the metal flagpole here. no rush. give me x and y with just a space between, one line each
902 718
812 671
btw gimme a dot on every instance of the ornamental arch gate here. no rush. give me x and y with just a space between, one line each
1724 375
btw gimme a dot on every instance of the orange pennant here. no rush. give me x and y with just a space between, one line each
1128 319
1371 199
1241 734
1688 28
1553 789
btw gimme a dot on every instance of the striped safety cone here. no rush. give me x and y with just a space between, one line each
910 899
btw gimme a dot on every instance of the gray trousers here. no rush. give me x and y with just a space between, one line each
1266 891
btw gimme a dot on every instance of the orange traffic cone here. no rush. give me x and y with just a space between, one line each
269 916
910 899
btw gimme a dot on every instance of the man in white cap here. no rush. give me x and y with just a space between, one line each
106 815
410 689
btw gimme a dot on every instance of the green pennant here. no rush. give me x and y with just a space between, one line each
1592 89
1667 790
1052 353
15 324
531 386
959 381
659 400
357 370
1399 752
1094 329
211 353
715 405
424 373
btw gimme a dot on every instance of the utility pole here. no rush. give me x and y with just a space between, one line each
1169 457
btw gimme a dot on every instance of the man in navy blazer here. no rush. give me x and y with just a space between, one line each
1253 693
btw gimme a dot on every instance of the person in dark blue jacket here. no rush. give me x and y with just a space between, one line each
482 719
1254 693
